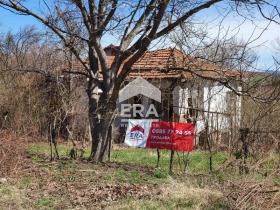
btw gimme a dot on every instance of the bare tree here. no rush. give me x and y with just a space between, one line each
135 23
26 82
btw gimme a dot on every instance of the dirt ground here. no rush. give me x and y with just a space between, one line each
28 183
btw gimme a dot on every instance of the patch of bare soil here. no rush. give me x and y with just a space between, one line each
81 187
100 196
83 195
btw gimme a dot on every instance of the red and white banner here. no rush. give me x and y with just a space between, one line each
160 135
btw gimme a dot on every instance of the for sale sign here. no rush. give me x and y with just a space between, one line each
137 132
160 135
171 135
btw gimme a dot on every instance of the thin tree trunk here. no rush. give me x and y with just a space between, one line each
171 162
55 137
50 141
209 147
186 161
158 158
110 143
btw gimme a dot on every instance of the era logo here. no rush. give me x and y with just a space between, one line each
137 109
134 88
137 133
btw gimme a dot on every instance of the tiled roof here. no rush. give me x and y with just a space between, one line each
168 63
78 66
164 59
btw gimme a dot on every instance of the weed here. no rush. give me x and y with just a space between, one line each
159 174
276 179
108 178
42 203
27 180
5 191
73 178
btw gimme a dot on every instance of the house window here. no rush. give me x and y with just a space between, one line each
192 108
230 102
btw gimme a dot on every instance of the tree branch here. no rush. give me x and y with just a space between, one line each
128 39
188 14
108 18
83 10
145 42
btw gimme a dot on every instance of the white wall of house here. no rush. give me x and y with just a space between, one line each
217 101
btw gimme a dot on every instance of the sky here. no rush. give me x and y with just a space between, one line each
258 31
13 22
263 46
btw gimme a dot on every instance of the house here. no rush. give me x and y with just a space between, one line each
192 89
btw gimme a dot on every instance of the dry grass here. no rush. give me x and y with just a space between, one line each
11 155
200 197
252 194
177 195
12 197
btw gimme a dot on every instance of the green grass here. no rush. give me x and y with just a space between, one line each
132 162
39 151
5 190
42 203
136 165
198 160
160 174
147 158
27 180
276 179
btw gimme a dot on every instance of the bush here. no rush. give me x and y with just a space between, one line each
11 154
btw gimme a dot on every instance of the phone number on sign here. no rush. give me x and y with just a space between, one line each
171 131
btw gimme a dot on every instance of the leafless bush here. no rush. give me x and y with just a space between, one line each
11 154
251 195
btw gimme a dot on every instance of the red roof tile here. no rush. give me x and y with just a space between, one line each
168 63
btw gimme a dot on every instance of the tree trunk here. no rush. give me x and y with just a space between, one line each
106 137
93 119
101 117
